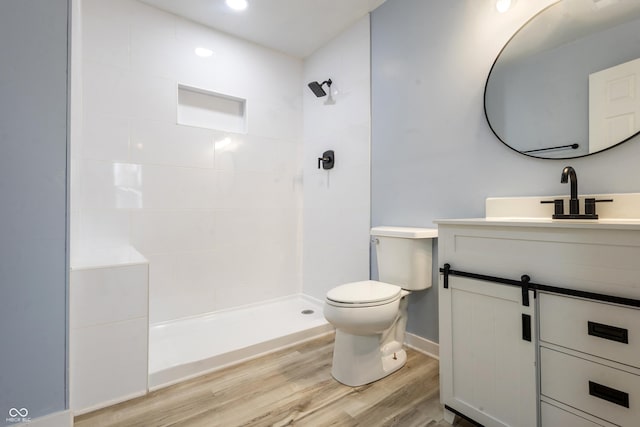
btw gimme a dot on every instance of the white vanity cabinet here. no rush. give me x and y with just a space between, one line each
590 360
487 353
582 365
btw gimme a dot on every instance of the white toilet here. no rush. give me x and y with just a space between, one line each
370 317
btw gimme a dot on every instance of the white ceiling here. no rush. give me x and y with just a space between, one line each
296 27
568 21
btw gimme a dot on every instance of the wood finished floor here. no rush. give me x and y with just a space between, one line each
290 387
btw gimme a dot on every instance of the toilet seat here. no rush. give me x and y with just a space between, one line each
367 293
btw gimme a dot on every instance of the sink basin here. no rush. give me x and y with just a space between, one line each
625 206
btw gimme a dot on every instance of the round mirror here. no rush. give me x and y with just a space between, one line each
567 84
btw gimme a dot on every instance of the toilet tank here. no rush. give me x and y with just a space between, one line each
404 255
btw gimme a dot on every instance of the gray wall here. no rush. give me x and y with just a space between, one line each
33 190
433 155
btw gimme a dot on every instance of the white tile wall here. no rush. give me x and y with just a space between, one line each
104 295
336 202
105 32
106 89
155 232
110 227
106 137
174 187
109 323
216 213
159 143
111 364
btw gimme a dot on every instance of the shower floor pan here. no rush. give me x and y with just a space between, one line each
186 348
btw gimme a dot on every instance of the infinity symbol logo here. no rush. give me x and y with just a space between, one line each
15 412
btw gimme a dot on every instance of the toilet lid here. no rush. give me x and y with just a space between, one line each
368 291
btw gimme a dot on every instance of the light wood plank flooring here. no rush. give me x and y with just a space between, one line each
290 387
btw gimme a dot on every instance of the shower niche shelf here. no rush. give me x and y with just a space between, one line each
205 109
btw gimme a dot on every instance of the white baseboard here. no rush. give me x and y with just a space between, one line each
58 419
423 345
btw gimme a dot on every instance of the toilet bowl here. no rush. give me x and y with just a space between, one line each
363 308
370 316
369 326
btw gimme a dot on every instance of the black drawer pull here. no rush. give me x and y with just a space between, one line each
609 394
526 327
608 332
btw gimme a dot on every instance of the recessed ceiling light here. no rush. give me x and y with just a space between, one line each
237 4
203 52
503 5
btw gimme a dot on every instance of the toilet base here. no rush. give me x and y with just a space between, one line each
359 360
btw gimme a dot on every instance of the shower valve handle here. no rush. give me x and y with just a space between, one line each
327 160
321 160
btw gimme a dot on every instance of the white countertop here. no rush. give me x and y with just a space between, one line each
608 224
621 214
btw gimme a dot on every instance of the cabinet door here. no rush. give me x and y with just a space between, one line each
487 366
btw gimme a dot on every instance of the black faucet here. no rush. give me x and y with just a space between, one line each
568 173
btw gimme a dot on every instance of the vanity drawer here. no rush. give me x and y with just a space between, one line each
604 330
552 416
596 389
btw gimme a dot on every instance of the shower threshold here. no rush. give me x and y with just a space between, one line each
186 348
